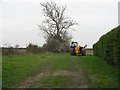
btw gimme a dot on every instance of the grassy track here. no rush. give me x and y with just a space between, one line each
94 71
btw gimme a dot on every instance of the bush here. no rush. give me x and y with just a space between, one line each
108 46
35 49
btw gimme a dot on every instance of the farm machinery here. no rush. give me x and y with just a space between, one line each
77 50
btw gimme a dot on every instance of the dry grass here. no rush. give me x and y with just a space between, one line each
89 52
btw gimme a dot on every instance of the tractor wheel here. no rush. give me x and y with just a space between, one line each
75 54
72 53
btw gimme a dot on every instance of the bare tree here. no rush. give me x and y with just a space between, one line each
16 49
17 46
56 24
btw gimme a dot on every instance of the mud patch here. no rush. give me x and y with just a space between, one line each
78 79
65 72
29 80
83 86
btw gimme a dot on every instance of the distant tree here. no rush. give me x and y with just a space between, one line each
16 46
6 45
55 26
33 48
16 49
31 45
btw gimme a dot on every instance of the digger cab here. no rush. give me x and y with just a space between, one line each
74 44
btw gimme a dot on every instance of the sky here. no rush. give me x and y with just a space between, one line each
19 20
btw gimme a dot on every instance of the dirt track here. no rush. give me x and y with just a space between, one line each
78 80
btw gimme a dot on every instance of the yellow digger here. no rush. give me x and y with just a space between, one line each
77 50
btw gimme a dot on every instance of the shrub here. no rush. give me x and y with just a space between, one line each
108 46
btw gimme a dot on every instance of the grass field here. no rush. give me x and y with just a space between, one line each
57 70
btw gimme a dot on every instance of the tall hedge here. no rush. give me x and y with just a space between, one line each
108 46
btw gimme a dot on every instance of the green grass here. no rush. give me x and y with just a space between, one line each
102 74
56 62
17 68
51 82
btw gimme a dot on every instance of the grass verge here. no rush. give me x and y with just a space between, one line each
102 74
16 68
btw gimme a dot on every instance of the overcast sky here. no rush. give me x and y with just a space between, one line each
20 19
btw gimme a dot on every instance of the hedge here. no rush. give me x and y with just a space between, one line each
108 46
